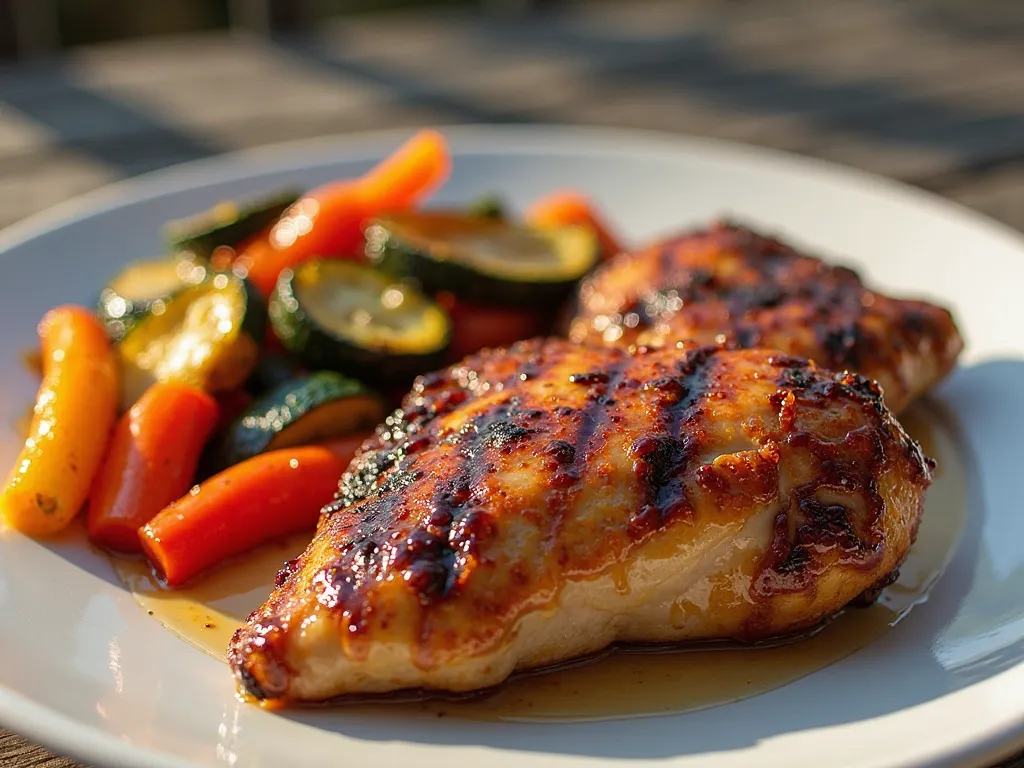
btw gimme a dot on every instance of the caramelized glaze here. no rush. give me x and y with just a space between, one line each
729 284
624 684
483 531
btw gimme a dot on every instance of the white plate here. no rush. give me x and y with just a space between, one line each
84 670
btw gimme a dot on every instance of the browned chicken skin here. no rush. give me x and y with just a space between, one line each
537 504
730 284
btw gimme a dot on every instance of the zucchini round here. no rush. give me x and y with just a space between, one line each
133 292
483 259
299 411
226 224
207 336
343 316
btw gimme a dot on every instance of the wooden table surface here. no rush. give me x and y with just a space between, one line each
931 93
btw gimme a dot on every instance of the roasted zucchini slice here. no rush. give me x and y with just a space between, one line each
482 259
299 411
343 316
132 293
226 224
208 336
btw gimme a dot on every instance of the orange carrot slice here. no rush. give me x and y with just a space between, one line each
256 501
151 461
329 221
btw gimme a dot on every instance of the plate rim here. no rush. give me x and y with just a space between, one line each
68 736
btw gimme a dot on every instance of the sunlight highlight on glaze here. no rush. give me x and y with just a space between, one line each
644 683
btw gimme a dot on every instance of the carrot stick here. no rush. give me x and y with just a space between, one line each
74 413
329 220
150 463
409 174
258 500
567 208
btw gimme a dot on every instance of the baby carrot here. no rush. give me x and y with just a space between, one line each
256 501
566 208
329 220
150 463
410 173
74 413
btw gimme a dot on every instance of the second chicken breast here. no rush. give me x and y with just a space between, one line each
728 284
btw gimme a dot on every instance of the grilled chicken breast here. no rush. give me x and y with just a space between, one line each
730 284
537 504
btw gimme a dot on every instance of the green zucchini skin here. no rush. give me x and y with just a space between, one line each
287 416
236 356
204 232
120 309
255 323
319 348
404 257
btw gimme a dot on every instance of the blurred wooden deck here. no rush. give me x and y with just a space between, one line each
931 93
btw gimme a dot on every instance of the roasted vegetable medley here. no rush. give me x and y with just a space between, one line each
212 397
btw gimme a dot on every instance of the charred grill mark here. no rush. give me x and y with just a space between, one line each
368 548
428 556
794 377
592 421
377 529
825 533
844 345
589 378
504 434
388 469
661 461
453 504
447 562
764 293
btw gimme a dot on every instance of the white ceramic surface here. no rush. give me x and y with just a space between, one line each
83 670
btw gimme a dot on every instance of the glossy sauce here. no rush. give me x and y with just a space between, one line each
624 684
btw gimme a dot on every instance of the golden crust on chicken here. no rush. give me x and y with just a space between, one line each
730 284
537 504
